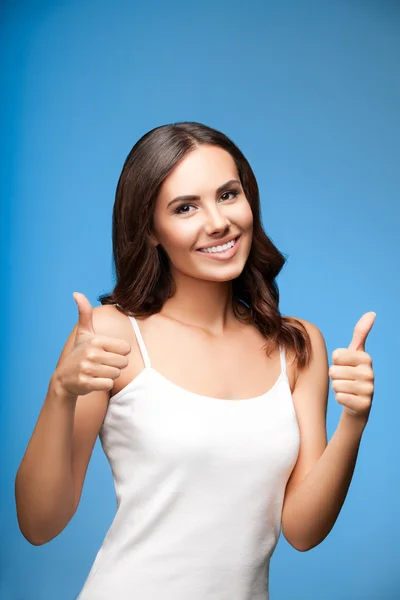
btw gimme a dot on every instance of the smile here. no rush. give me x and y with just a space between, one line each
222 252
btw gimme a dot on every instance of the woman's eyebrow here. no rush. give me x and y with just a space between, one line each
189 198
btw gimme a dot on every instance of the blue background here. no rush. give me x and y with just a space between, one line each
310 92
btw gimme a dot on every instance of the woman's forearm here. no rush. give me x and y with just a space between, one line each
312 509
44 489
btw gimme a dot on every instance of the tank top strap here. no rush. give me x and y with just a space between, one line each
141 343
283 360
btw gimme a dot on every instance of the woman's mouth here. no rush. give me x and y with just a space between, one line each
224 253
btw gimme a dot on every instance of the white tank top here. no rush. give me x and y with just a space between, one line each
200 483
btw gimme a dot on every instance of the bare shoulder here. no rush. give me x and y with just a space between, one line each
312 329
318 348
108 320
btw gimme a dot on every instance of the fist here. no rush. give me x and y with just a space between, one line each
95 360
351 373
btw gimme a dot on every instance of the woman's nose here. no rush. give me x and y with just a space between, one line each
216 221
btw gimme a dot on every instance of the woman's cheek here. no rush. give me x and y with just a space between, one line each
180 242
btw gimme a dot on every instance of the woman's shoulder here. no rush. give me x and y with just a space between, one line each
109 320
311 328
317 343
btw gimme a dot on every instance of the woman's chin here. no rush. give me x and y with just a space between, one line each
223 273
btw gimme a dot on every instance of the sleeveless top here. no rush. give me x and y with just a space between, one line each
199 485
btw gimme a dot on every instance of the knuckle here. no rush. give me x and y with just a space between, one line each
91 353
366 372
86 367
370 387
368 359
339 354
340 397
81 379
366 404
360 370
370 376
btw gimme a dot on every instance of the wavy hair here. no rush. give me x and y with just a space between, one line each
143 277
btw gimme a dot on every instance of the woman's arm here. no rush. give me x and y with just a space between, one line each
321 478
49 480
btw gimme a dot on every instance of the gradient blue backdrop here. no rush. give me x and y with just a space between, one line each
310 91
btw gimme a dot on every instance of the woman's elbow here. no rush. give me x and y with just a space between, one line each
301 545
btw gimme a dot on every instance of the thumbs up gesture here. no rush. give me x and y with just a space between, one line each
95 361
351 373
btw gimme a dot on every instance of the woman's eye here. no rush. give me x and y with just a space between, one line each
179 210
234 192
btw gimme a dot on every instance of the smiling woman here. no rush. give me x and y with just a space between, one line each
184 187
183 372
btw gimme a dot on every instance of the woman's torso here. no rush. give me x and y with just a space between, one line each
199 475
232 366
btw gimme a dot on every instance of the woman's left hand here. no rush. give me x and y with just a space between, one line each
351 373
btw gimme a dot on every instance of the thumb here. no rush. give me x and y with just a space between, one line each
361 331
85 318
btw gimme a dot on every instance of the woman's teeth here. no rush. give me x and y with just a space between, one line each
219 248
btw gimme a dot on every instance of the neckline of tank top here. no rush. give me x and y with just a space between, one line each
183 391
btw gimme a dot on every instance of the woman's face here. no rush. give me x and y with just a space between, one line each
216 211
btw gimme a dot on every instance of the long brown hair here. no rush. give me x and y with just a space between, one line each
143 278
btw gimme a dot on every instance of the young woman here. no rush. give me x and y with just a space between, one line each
209 404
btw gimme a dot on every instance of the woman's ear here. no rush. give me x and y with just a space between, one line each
153 240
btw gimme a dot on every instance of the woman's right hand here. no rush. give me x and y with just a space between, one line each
95 361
